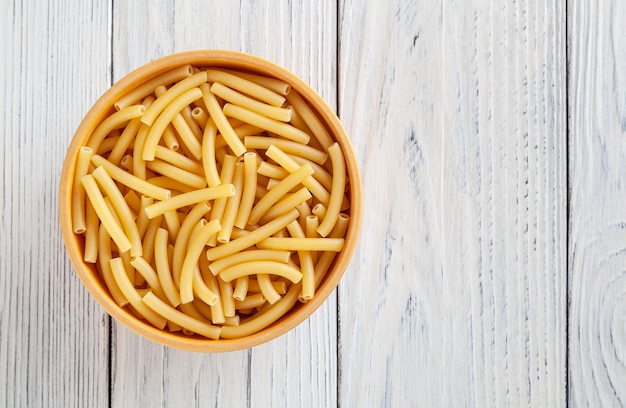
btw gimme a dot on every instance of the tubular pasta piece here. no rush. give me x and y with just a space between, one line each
251 301
288 146
165 100
249 189
245 86
194 249
225 128
78 193
253 237
302 244
121 208
147 88
105 215
209 163
247 256
268 291
312 121
262 320
163 267
192 197
131 181
230 211
291 166
337 191
164 119
280 128
91 234
181 319
236 98
276 193
115 121
261 267
117 267
180 246
104 257
176 173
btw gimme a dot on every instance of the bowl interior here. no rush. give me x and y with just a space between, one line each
104 107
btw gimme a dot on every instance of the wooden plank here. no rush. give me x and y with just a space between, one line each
597 242
456 295
302 37
53 337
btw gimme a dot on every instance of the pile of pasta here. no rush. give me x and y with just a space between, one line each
211 201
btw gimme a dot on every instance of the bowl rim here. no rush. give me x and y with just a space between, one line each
104 107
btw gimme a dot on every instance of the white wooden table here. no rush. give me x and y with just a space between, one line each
491 270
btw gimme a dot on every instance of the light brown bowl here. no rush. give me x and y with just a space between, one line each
104 107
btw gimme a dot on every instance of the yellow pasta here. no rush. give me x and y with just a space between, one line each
230 211
180 246
145 269
291 166
207 201
91 234
241 288
337 191
273 84
306 263
115 121
148 87
209 164
245 86
192 197
236 98
246 256
121 208
165 118
278 192
268 291
175 92
179 160
326 258
253 237
104 257
78 193
129 291
105 215
219 205
200 289
221 122
250 301
280 128
226 296
129 180
163 267
288 146
194 249
260 267
290 201
302 244
312 121
262 320
249 188
181 319
176 173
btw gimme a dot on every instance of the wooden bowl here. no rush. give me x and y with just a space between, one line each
104 107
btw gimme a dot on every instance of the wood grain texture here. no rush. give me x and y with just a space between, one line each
299 368
597 241
54 342
457 293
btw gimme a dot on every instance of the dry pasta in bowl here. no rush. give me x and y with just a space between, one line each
210 201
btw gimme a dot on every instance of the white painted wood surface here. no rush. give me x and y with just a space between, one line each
597 224
493 182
